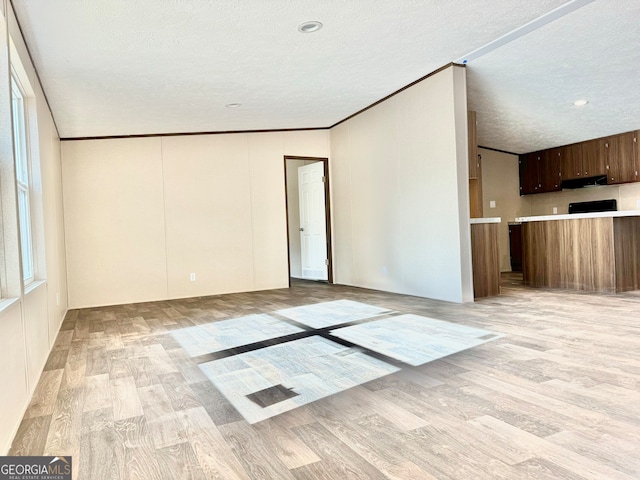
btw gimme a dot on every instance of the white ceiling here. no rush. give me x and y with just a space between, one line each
122 67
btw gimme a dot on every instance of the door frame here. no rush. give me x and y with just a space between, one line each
327 212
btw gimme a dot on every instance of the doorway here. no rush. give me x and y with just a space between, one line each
308 218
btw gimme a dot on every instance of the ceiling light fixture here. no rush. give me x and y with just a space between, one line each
233 105
580 103
309 27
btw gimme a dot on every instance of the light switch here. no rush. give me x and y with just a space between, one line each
492 204
638 204
555 210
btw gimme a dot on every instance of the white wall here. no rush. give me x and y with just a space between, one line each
144 213
400 193
29 319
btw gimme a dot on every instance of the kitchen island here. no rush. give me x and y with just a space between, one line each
589 251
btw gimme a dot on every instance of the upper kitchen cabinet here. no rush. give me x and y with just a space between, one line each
475 170
594 160
529 173
474 162
549 170
571 161
622 161
617 157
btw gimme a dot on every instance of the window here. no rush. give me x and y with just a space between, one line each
21 150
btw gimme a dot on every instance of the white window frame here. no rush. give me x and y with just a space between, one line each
22 156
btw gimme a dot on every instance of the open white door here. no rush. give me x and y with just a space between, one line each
313 227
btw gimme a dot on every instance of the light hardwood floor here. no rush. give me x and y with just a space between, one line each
557 398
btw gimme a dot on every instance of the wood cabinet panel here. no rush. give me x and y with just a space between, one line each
515 247
636 153
627 247
616 156
475 198
594 159
485 259
475 169
621 158
472 135
571 161
575 254
529 175
549 170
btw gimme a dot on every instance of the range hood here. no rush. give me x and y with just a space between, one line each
583 182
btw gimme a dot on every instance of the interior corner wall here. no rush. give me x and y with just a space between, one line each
500 184
142 214
29 318
399 222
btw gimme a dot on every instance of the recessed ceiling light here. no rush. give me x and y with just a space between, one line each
233 105
309 27
580 103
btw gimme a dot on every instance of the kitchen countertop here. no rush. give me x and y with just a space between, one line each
474 221
575 216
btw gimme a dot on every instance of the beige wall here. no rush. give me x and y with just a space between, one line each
143 214
501 184
400 193
29 318
99 214
627 197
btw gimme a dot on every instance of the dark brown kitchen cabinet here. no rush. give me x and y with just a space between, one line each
549 170
529 176
594 160
616 156
571 161
621 158
474 162
515 246
475 170
636 153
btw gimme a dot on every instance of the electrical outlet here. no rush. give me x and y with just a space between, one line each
192 277
638 204
555 210
492 204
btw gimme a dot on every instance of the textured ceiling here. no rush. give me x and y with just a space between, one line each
524 91
118 67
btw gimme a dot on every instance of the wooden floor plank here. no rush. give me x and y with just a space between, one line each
31 437
66 423
214 454
179 461
97 392
338 460
290 450
44 396
124 398
583 466
556 398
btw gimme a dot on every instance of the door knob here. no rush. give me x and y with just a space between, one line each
301 229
